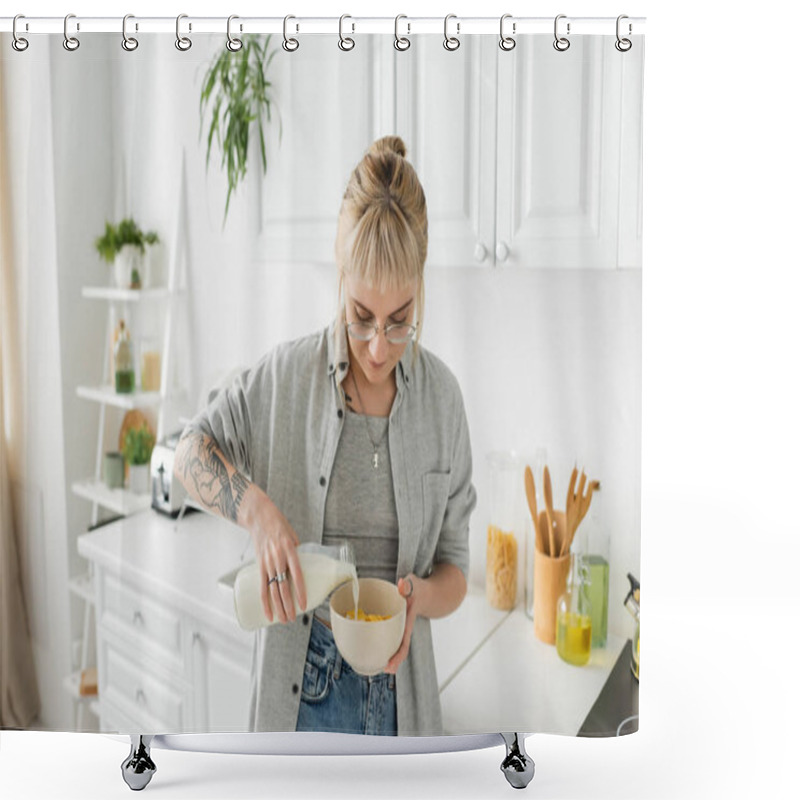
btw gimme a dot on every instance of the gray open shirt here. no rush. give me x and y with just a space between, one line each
279 423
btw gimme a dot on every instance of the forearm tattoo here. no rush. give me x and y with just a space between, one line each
204 470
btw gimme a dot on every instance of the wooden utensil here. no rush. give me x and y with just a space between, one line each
586 501
548 500
571 502
543 532
530 493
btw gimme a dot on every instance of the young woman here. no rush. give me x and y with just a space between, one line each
356 432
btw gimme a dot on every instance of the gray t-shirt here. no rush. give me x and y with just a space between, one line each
360 506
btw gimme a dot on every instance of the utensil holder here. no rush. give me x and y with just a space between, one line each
549 583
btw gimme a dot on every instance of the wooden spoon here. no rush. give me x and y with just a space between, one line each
571 503
530 493
548 500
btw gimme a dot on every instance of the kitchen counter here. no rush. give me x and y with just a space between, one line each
493 673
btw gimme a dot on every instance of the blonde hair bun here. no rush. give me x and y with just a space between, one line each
388 144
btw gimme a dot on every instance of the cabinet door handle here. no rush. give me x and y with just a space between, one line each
138 619
141 700
502 252
480 252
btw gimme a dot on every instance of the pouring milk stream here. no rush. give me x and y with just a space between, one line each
324 569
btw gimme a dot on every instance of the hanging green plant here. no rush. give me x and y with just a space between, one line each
239 94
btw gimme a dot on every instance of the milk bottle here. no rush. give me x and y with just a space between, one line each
324 569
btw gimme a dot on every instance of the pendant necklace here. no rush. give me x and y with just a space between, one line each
374 444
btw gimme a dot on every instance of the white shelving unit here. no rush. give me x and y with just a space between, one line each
93 488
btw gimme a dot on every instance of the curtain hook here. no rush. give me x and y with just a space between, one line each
623 45
346 43
234 45
289 44
71 43
400 42
561 43
19 43
183 43
128 42
507 42
451 42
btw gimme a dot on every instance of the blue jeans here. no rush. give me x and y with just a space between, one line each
337 699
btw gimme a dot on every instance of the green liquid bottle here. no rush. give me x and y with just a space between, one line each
598 595
124 379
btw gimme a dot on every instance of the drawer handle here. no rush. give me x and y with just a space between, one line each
141 700
138 619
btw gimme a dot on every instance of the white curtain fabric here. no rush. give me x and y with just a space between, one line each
19 692
34 605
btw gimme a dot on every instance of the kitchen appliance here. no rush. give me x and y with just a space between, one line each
168 494
632 604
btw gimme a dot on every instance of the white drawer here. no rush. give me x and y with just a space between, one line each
130 612
143 695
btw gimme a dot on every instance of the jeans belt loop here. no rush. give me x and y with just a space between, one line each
337 668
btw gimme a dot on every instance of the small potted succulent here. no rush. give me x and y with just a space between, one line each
123 246
137 449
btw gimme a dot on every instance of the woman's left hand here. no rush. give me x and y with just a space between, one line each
408 588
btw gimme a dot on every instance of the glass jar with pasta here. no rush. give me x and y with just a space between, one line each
504 542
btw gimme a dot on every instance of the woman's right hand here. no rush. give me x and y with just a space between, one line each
275 545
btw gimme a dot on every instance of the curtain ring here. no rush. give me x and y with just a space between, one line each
19 43
233 44
507 42
623 45
561 43
70 43
183 43
451 42
400 42
346 43
289 44
128 42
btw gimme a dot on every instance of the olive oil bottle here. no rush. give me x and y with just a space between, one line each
574 616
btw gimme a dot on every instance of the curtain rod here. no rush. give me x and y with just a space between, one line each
461 26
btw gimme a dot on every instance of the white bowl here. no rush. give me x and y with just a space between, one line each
368 646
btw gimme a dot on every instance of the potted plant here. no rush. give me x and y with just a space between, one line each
237 89
137 449
123 246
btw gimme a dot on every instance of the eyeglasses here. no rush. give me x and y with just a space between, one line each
395 334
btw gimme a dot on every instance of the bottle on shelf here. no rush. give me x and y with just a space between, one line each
124 378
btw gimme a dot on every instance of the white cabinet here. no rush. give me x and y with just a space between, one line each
170 656
330 106
529 158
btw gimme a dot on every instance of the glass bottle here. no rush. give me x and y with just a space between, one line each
504 552
574 616
124 378
595 544
324 567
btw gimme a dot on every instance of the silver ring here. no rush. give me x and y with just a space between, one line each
289 44
128 42
507 42
451 43
400 42
70 43
346 43
233 44
411 584
561 43
623 45
19 43
183 43
280 577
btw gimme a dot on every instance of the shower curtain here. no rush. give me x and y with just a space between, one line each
177 210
